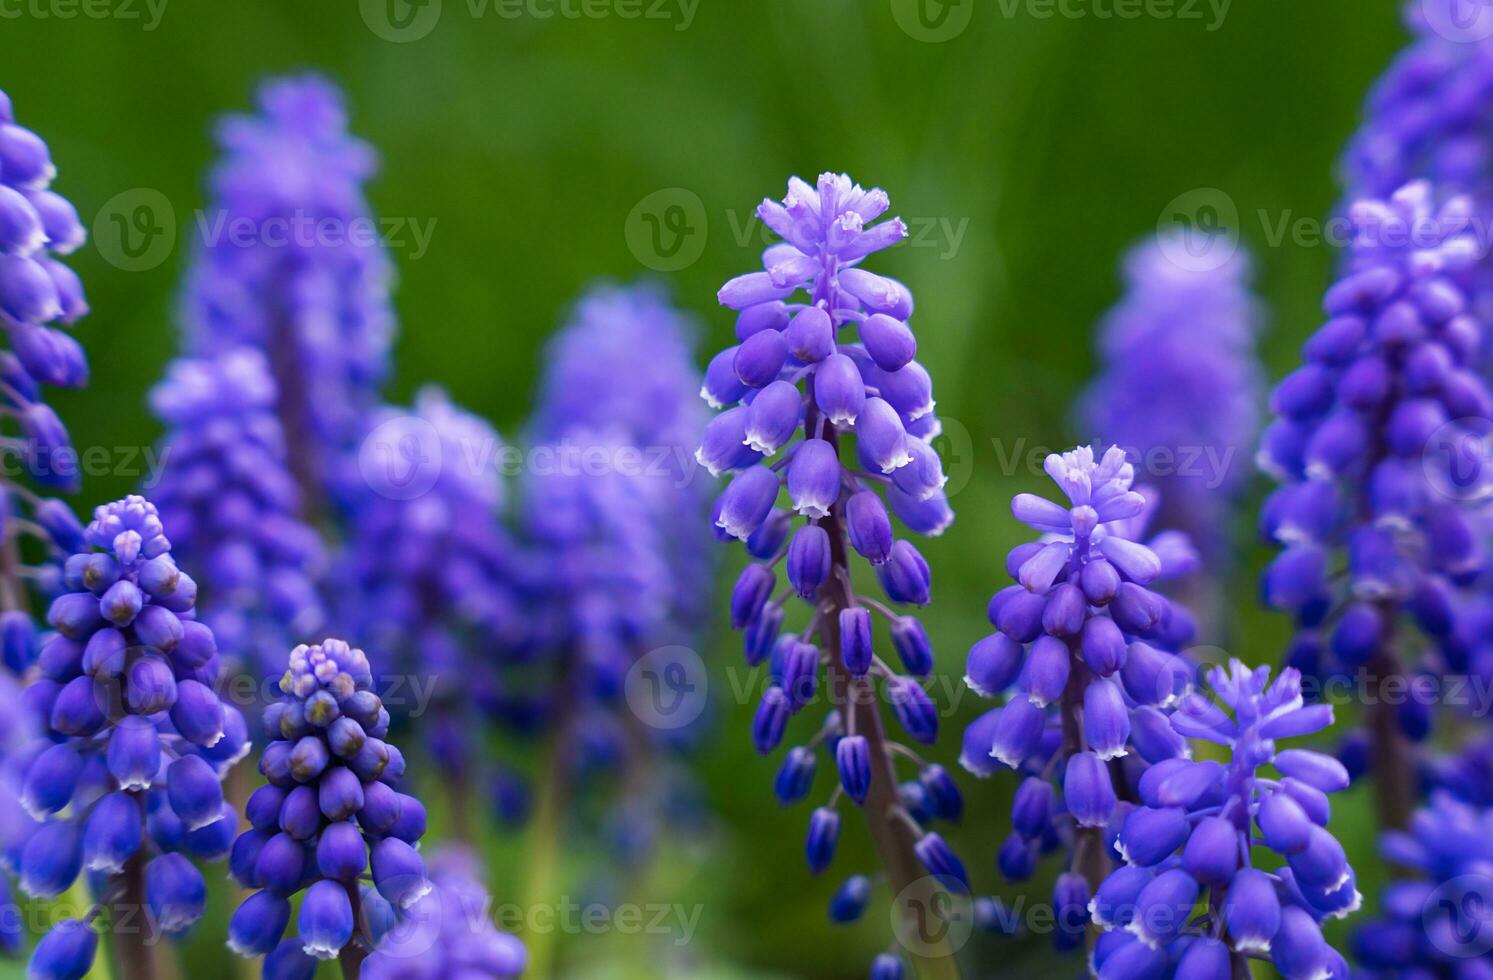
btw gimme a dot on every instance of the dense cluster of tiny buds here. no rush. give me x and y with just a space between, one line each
793 389
330 822
37 225
37 293
621 378
1088 659
226 492
1433 924
127 781
1179 386
1377 512
1200 831
423 568
448 933
318 305
1427 119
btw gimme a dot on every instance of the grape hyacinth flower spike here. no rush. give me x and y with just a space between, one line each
1180 384
127 783
1435 923
795 392
1426 118
330 821
38 294
315 302
226 492
423 573
1370 444
1201 830
1087 657
449 933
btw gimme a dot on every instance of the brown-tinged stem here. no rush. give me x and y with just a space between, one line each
351 957
892 836
1390 752
135 948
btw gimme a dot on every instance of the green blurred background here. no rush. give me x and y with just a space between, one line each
1034 149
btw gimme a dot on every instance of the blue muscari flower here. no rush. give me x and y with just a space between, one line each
234 509
37 290
448 933
39 294
135 739
1370 444
609 562
1426 119
1087 657
268 273
330 810
825 359
1201 830
1433 924
1179 385
423 568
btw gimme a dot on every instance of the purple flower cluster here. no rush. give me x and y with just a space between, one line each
290 264
793 389
449 932
424 564
618 393
127 782
233 507
1093 654
1199 830
1434 924
1179 385
37 225
329 818
37 293
1427 119
1376 444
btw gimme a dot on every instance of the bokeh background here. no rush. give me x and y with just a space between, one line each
1028 152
